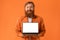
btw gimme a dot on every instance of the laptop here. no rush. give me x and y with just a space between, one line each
30 28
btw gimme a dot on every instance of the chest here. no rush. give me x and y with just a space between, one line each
32 20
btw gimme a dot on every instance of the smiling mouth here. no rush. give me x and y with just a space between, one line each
29 11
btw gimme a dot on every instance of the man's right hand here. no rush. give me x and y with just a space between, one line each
21 35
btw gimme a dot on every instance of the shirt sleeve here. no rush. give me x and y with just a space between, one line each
42 28
18 27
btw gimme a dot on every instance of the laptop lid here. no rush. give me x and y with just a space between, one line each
30 28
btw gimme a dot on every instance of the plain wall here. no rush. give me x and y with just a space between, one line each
11 10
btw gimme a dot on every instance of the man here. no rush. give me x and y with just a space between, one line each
30 17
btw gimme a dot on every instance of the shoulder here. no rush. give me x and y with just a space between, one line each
39 17
21 18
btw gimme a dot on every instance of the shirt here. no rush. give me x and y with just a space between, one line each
29 19
34 19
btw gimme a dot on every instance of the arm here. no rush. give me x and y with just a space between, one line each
42 28
18 28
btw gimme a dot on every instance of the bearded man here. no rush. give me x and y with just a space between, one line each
30 17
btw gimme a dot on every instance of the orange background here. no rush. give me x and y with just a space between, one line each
11 10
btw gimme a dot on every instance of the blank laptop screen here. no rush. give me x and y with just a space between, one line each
30 28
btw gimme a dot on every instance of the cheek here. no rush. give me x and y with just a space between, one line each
25 9
32 9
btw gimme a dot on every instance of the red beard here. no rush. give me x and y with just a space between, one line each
31 14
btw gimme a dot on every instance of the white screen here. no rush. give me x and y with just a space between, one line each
30 27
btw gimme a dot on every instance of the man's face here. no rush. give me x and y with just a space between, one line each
29 10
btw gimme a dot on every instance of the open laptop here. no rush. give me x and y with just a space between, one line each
30 28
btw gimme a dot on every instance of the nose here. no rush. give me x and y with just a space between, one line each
29 8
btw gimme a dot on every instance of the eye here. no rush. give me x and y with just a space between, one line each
27 7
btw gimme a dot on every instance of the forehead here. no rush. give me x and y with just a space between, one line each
30 4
